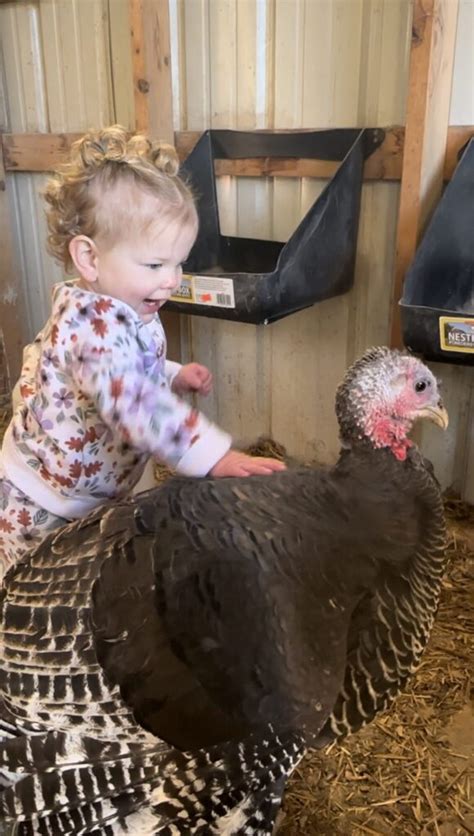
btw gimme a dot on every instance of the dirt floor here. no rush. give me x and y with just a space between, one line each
410 772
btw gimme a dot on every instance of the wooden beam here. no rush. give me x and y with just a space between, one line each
43 152
152 86
426 130
384 164
151 66
36 152
12 310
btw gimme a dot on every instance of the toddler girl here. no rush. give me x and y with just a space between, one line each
97 396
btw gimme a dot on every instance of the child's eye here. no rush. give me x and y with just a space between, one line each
154 265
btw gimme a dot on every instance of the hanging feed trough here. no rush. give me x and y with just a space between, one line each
250 280
437 307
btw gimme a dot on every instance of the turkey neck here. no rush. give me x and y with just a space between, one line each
414 480
429 562
392 624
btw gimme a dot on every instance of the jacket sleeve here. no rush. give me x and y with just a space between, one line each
141 409
31 356
171 370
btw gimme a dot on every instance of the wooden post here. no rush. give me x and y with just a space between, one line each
429 94
151 62
12 311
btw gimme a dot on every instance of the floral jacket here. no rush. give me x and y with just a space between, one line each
96 403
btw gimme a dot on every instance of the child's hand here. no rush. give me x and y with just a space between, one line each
192 378
235 463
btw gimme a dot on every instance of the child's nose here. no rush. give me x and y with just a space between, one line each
172 279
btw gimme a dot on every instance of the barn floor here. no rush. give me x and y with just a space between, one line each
410 772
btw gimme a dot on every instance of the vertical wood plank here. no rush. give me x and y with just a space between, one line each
151 65
152 85
429 92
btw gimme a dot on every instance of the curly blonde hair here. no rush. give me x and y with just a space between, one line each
86 195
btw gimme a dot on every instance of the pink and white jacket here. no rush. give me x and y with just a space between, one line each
96 403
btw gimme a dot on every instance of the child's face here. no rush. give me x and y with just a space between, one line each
145 272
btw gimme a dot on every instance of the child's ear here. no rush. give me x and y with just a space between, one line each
85 256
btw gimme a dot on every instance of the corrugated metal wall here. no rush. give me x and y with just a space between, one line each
249 64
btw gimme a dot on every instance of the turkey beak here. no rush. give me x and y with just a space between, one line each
438 414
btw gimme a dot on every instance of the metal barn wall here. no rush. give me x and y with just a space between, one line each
65 65
248 64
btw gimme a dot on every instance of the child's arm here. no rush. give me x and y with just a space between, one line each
172 369
235 463
153 420
144 413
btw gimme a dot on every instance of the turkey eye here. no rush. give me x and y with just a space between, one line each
420 386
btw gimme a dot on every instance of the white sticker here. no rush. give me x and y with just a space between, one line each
206 290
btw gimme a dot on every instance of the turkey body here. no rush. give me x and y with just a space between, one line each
166 661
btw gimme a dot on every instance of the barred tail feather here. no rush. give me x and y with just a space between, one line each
235 788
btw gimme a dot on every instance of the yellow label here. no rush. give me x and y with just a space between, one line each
456 333
185 292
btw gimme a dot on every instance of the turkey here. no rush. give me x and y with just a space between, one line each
166 661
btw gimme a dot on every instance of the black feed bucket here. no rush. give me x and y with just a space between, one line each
250 280
437 307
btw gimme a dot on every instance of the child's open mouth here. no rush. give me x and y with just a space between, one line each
153 305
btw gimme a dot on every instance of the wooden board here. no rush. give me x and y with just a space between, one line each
152 87
43 152
429 90
151 66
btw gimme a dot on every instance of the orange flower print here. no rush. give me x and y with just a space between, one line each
63 480
75 469
75 443
5 525
44 473
26 390
90 436
54 334
100 327
102 305
92 468
116 387
24 517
